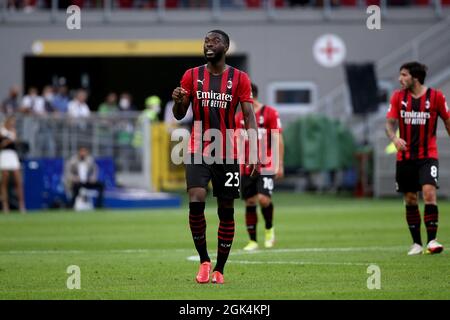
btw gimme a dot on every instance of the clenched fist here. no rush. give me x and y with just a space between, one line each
178 95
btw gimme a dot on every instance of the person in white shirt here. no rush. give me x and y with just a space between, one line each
81 172
78 108
33 103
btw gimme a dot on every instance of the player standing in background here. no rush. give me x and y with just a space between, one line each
415 109
215 90
259 189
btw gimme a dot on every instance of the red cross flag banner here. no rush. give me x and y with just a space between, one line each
329 50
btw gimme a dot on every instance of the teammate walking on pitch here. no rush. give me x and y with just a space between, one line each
215 90
415 109
259 189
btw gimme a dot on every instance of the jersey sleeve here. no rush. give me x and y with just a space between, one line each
186 82
244 90
393 111
442 106
275 122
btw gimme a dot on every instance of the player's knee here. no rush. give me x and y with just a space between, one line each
251 202
264 200
411 199
197 195
429 195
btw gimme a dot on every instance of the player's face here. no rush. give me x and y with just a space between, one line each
214 47
405 79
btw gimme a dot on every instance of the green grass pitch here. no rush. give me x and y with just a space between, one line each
324 247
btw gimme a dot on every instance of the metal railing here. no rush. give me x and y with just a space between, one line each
123 137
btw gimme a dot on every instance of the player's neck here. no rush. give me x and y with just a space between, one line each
216 68
256 105
418 91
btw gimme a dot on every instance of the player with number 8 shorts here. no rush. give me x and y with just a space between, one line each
415 109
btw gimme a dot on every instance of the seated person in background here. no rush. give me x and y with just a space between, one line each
81 172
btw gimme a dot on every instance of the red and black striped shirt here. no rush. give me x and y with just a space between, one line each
418 122
214 100
268 122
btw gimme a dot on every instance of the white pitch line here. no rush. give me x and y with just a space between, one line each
196 259
300 262
236 252
348 249
25 252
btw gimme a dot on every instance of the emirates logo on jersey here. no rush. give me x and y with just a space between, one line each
214 99
414 117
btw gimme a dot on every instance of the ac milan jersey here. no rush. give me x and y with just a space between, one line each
214 100
418 122
268 122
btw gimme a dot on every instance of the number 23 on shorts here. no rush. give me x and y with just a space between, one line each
232 179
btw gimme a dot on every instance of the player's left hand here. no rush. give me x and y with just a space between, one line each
280 173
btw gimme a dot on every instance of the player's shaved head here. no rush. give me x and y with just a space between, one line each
225 37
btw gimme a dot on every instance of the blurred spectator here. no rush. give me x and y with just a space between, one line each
78 108
152 108
11 104
61 100
43 131
81 172
33 102
125 126
126 102
48 93
151 112
9 163
109 106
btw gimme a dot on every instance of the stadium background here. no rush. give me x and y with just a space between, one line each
143 47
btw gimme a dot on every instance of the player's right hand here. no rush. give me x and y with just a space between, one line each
400 144
178 95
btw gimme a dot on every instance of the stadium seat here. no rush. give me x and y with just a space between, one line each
373 2
79 3
348 3
259 3
171 4
253 3
446 2
125 4
421 2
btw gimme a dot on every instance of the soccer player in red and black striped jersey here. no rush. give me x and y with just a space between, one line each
415 110
214 90
259 189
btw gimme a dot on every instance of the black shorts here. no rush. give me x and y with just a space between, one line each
260 184
225 178
411 175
